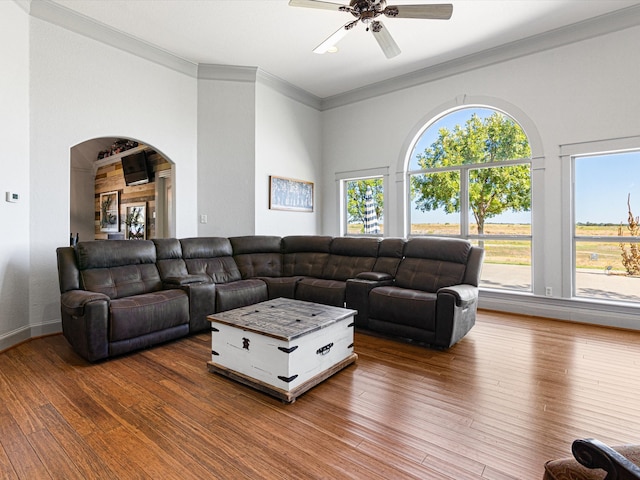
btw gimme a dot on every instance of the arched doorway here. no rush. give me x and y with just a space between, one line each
120 188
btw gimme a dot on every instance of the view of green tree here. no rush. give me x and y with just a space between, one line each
356 190
492 191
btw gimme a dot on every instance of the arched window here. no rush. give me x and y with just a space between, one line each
469 176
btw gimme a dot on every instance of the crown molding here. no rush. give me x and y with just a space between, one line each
231 73
595 27
23 4
289 90
54 13
58 15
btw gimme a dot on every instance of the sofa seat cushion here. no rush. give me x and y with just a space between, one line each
142 314
403 306
240 294
328 292
278 287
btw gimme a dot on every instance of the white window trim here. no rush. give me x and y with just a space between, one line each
343 177
568 153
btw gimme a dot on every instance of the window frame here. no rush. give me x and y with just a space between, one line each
464 170
342 178
575 239
567 153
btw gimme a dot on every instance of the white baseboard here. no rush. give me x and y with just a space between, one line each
22 334
608 314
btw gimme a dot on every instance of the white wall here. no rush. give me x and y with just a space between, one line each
288 136
247 131
581 92
82 89
226 153
226 137
14 176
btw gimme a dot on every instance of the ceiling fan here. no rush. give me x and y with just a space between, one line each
367 11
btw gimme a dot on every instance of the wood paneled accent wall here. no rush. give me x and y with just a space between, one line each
110 178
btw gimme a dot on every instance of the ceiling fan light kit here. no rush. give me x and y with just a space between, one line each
366 11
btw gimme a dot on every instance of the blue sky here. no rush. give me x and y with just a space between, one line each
602 184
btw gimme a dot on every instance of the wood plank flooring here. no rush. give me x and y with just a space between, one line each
514 393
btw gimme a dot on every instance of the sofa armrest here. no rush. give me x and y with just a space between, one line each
85 320
357 296
463 294
202 302
74 302
596 455
456 308
374 276
202 297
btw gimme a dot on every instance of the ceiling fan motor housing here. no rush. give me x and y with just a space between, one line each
367 9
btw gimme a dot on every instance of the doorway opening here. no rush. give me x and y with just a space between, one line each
120 188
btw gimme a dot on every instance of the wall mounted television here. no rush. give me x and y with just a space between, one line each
135 169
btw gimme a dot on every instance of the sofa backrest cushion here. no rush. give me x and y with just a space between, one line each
212 256
257 255
118 268
350 256
305 255
431 263
169 258
390 252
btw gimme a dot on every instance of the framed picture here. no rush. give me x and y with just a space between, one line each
135 221
290 194
109 212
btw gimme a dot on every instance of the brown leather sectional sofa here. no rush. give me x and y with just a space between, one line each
118 296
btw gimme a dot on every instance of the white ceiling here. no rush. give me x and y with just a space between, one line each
279 39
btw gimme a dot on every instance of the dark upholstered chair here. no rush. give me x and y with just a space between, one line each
433 297
113 301
593 460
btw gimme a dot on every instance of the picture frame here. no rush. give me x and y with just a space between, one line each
290 194
109 212
135 221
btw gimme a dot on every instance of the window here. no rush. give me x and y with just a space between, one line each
469 176
364 204
606 234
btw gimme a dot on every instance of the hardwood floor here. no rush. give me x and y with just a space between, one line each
514 393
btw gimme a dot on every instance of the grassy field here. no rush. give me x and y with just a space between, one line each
590 255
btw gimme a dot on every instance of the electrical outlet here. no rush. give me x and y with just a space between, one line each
548 291
203 219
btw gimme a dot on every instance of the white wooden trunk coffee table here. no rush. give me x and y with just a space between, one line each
282 347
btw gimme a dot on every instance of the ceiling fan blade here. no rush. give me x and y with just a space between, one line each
334 38
385 40
441 11
315 4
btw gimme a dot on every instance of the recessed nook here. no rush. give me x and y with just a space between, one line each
133 177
